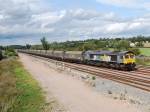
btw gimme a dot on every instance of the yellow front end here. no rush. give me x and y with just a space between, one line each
129 59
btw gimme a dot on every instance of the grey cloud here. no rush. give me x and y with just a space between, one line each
24 21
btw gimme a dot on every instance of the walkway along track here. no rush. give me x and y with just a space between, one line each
134 79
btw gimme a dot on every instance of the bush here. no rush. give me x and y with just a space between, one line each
121 45
135 50
10 52
143 61
93 78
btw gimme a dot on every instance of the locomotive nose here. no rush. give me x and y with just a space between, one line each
129 61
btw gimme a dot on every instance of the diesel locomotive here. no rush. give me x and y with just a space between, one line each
124 60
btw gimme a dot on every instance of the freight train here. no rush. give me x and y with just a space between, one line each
124 60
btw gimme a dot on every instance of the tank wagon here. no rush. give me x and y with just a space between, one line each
124 60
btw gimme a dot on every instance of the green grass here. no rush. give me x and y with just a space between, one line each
19 92
31 98
145 51
145 62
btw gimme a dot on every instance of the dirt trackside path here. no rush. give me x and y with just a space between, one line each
72 93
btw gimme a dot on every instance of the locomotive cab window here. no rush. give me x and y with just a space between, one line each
91 56
126 56
131 56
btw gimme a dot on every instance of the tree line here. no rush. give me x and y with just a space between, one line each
116 44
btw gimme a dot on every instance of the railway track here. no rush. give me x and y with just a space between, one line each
137 79
118 77
144 69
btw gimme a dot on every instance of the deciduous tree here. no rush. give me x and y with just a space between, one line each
45 44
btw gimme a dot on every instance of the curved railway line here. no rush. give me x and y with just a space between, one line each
143 69
139 79
135 81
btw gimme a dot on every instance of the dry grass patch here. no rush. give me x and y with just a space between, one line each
19 92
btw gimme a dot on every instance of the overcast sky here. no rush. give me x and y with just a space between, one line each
26 21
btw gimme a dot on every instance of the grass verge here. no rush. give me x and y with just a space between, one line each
145 51
145 62
19 92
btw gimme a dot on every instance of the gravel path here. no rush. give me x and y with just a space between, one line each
73 94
